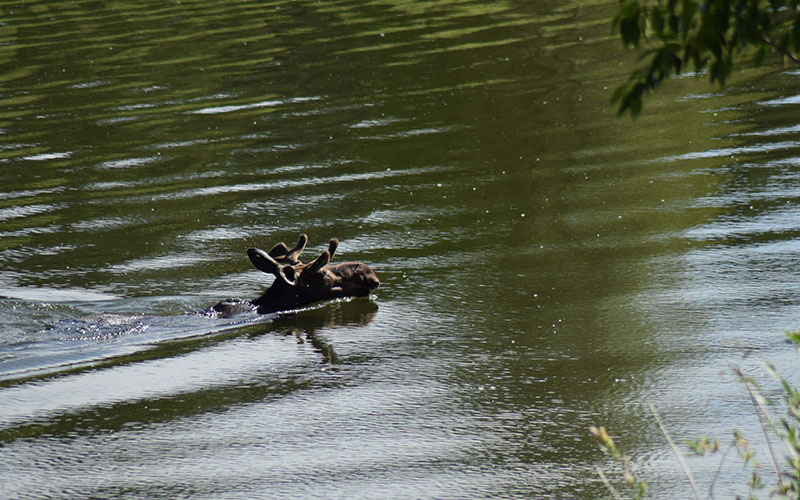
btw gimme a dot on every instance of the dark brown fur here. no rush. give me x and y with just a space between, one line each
297 284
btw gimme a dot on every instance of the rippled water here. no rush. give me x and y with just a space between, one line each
544 265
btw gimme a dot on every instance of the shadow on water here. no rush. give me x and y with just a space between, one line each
310 325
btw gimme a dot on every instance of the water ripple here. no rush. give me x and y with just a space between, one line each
159 263
21 211
47 156
128 162
765 147
230 108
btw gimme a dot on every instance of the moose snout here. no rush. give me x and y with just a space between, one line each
369 279
373 282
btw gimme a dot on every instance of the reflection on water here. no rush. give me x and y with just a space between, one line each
544 266
309 325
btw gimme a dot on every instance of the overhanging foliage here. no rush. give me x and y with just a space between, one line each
690 35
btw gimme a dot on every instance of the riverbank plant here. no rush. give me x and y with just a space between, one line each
781 439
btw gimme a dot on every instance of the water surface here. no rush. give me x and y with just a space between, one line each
545 266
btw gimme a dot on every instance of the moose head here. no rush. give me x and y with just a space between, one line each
297 284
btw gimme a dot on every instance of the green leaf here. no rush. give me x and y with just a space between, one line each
657 22
720 69
628 23
688 10
759 55
629 29
794 338
796 34
674 23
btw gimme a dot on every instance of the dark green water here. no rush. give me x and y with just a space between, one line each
545 266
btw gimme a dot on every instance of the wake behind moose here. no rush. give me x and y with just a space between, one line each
297 284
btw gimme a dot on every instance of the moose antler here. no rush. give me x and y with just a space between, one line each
281 253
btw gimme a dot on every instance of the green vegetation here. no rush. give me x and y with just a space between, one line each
678 36
784 461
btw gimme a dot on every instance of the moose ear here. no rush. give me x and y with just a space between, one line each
264 262
320 262
289 275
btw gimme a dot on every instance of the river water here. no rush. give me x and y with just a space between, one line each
545 266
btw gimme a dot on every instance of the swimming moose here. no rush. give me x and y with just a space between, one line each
297 284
